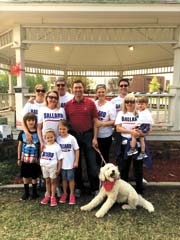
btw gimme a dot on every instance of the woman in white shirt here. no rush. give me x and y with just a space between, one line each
105 123
49 115
125 122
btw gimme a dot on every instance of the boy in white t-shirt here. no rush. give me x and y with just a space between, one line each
70 150
143 124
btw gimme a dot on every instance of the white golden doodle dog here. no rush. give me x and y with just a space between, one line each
116 190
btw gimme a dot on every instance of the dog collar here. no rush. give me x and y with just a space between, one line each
108 185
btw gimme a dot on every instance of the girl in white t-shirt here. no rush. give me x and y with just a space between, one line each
50 162
70 150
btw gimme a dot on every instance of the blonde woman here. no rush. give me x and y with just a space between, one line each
49 115
125 122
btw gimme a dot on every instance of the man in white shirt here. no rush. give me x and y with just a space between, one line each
64 95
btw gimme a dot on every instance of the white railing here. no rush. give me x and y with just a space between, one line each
158 105
7 100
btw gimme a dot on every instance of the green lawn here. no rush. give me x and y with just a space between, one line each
31 221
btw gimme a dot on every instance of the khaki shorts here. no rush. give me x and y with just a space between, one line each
49 171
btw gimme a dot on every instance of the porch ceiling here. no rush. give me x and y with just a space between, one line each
103 49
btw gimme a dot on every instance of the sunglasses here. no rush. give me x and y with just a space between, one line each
123 85
40 90
60 85
129 101
53 97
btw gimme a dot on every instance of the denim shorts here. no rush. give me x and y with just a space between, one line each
67 174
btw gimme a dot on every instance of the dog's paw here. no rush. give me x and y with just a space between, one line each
84 208
151 209
126 207
99 214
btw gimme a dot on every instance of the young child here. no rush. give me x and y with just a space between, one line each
50 161
70 149
28 156
143 125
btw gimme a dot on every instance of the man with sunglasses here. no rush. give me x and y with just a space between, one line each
123 86
64 95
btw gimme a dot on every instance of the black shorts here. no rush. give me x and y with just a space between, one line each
30 170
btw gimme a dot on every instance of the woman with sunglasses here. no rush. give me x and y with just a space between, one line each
125 122
50 115
33 105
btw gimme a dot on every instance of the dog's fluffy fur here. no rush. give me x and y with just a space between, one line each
121 192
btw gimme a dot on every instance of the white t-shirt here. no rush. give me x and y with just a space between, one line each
64 99
68 146
117 102
145 116
31 107
128 121
51 155
50 118
106 113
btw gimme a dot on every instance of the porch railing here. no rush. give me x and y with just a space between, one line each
158 105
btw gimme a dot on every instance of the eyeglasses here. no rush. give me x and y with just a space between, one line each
129 101
53 97
123 85
60 85
40 90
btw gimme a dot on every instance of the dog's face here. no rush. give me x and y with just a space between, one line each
109 172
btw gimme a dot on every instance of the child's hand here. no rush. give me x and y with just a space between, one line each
19 163
75 165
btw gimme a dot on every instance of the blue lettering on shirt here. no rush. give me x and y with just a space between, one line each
35 111
63 105
65 147
129 119
101 115
53 116
47 155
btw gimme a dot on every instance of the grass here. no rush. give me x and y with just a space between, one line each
9 170
29 220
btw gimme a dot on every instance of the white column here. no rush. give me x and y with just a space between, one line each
11 93
174 116
21 88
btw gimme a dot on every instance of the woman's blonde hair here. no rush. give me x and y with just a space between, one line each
129 97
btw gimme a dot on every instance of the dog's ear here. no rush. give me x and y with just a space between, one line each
101 175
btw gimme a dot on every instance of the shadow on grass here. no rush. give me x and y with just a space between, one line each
30 220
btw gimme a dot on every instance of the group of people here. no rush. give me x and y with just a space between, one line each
60 128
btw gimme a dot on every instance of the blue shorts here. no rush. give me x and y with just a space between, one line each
67 174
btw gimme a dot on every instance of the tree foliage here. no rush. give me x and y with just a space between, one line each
154 85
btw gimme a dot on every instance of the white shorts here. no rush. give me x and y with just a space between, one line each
49 171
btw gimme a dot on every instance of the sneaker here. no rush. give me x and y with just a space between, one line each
77 193
72 199
132 152
45 200
142 156
34 196
63 198
58 192
53 202
24 197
